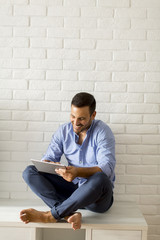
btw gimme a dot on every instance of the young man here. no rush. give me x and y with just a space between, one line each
88 180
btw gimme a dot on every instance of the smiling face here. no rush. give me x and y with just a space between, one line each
81 119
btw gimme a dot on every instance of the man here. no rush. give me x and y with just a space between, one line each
88 180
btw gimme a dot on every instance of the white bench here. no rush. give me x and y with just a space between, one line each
123 221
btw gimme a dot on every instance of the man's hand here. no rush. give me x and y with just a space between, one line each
68 174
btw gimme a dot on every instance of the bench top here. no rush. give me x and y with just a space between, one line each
121 216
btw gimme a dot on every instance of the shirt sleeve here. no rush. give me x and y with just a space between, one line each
106 151
55 148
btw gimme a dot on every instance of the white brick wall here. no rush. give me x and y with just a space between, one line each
52 49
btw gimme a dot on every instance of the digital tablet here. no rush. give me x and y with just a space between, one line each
47 167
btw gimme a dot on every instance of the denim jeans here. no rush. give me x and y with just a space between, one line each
64 198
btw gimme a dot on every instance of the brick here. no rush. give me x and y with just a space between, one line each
78 64
5 73
61 75
14 21
152 98
77 86
151 179
144 45
28 95
5 115
5 94
129 56
5 32
119 189
14 42
63 54
152 77
37 147
13 63
112 45
153 34
129 34
125 118
128 77
120 169
42 126
5 10
143 87
79 44
5 136
95 76
142 129
75 22
29 32
63 11
127 198
6 52
110 87
152 119
11 105
45 43
129 179
13 146
12 186
96 12
150 160
120 149
143 108
153 56
103 116
150 199
153 13
96 55
148 24
26 156
29 10
28 74
128 159
138 170
114 3
27 136
47 2
141 189
90 3
145 66
127 139
142 149
130 13
46 22
57 117
151 139
28 53
58 95
111 108
117 66
4 177
45 64
117 128
28 116
13 125
96 34
116 23
127 97
145 3
12 84
44 106
63 33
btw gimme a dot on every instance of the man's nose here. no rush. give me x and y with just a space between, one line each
76 122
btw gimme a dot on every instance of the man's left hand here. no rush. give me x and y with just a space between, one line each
68 174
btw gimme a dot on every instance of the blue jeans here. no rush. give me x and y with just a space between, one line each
64 197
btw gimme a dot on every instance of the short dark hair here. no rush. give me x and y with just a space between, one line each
84 99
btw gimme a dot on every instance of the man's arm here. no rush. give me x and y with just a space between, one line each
71 172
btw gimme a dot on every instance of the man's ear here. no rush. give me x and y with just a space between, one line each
93 115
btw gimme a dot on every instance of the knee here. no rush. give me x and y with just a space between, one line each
28 173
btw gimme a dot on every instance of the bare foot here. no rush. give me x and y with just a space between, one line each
32 215
75 220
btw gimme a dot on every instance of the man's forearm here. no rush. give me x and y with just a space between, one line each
87 171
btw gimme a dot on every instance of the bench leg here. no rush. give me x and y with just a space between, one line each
88 234
36 234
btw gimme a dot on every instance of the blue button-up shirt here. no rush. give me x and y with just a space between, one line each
97 149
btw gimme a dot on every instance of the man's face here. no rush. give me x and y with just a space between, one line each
81 119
